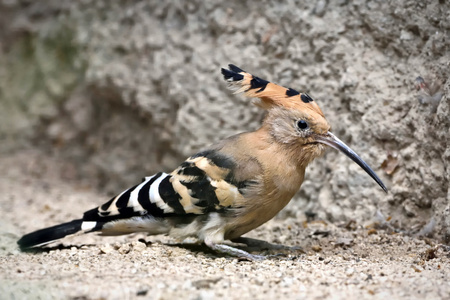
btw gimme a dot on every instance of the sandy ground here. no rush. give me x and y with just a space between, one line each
332 261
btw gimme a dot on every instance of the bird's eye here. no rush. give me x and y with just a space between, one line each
302 124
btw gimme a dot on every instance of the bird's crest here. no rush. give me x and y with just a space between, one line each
271 94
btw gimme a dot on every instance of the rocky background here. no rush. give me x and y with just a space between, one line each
117 90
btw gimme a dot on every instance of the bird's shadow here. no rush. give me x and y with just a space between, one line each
247 244
47 249
195 248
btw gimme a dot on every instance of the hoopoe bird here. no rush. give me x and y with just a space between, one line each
228 189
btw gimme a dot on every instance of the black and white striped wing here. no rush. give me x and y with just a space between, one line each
200 185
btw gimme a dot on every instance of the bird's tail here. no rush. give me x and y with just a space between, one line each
50 234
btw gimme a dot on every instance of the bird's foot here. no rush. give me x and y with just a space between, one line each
229 250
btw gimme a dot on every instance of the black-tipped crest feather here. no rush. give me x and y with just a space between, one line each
232 76
235 69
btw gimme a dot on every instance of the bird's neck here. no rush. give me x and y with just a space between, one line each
293 153
284 166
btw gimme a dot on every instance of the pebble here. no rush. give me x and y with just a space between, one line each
349 272
106 249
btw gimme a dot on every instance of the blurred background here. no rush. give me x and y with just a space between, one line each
118 90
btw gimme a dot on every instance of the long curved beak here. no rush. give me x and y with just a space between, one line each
332 141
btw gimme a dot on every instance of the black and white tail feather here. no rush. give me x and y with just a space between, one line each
47 235
128 212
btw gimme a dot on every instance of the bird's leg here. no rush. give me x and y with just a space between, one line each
225 249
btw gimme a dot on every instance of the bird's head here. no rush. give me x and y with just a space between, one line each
293 118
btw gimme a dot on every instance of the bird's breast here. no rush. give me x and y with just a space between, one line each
261 206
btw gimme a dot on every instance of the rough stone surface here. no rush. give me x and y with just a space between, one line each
117 90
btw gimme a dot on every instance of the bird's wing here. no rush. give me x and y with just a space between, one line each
206 182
